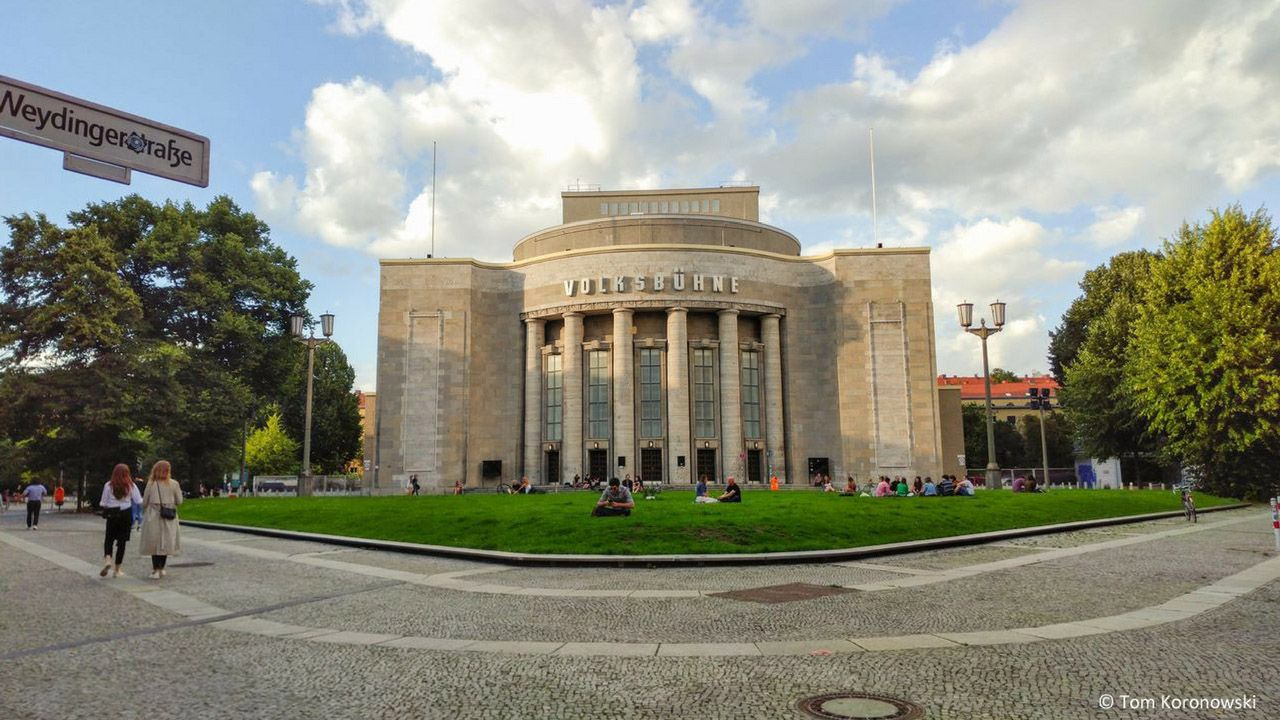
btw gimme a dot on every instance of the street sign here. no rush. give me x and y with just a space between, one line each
82 129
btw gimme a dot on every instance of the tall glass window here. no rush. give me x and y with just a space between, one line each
704 393
650 393
751 395
555 399
598 394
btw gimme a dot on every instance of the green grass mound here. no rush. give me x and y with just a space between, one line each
763 522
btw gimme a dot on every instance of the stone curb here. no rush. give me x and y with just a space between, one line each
651 561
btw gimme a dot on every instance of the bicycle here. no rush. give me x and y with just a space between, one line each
1188 503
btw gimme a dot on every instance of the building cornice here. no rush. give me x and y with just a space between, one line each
657 247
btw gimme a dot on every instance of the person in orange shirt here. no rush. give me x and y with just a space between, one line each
59 497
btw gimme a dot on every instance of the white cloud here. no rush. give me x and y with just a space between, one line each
1166 104
796 18
1114 225
988 261
662 20
1141 121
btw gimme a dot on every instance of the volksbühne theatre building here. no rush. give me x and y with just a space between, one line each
664 333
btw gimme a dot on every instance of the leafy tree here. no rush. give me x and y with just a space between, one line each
1104 415
1204 367
1057 436
141 330
337 436
1120 280
270 450
1000 375
1010 449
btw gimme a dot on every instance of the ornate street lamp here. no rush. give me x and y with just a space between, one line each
297 324
965 310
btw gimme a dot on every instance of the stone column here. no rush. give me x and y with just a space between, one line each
624 416
533 339
571 447
678 395
773 435
730 396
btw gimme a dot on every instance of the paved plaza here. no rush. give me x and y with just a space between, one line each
1056 626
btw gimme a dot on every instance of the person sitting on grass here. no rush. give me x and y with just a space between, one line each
902 487
615 500
918 488
457 487
827 487
929 488
1019 484
964 487
850 487
700 491
946 487
732 493
882 490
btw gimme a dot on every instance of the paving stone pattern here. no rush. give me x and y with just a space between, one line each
1213 641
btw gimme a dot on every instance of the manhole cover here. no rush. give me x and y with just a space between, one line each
790 592
188 564
860 706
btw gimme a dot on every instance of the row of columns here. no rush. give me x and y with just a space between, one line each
679 435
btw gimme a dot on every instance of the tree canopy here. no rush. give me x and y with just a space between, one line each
1000 375
1177 354
337 436
270 451
1106 421
140 330
1205 358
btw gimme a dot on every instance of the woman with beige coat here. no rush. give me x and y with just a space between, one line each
160 533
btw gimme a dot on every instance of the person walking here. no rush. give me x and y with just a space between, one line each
118 497
34 493
160 510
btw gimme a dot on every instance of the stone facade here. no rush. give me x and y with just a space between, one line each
670 359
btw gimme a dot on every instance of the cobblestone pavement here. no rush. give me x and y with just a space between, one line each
76 646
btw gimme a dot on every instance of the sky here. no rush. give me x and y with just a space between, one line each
1024 142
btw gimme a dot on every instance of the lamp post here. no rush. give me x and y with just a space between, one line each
982 331
1040 401
297 324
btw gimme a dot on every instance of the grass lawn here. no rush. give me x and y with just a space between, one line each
763 522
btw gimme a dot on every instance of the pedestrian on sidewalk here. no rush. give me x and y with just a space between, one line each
34 494
118 497
137 505
160 512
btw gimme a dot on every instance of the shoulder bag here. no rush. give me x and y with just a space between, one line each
167 512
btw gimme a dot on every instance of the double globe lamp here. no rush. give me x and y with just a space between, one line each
982 331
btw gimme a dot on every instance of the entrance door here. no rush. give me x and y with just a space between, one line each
553 467
819 466
706 464
651 464
755 466
598 464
